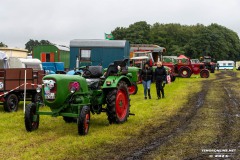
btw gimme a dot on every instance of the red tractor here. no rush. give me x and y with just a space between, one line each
185 67
208 62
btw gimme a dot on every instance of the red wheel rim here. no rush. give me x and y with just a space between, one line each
121 104
86 122
131 89
204 75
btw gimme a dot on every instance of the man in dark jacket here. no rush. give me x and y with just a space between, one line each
146 75
160 76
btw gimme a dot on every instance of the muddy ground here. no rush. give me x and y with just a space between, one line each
206 128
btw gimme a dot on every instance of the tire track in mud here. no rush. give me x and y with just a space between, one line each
232 117
196 101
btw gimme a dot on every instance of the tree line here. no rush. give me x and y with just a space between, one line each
193 41
30 44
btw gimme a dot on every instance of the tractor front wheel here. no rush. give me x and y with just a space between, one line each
118 104
204 74
185 72
11 103
37 97
31 118
84 121
132 90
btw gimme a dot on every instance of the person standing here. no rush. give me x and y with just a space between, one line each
160 76
146 75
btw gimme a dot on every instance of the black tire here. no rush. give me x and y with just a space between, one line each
118 104
31 118
133 89
185 72
84 121
11 103
204 73
37 97
69 119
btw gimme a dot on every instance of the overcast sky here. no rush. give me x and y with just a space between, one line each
60 21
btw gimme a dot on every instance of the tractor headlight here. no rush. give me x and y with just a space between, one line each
39 88
74 86
73 90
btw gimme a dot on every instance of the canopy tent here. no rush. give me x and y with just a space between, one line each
182 57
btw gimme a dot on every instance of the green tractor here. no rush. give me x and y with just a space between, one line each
74 96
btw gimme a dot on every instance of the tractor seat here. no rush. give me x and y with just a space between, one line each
96 71
94 79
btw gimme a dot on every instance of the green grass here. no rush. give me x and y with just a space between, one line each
56 139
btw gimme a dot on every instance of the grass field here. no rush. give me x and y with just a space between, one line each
56 139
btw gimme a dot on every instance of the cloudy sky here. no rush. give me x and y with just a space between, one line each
60 21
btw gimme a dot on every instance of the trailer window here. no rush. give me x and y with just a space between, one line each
230 64
85 55
224 64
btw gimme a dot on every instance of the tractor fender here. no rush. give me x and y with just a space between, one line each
112 81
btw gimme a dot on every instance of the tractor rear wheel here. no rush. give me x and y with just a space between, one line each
118 104
11 103
185 72
84 121
133 89
31 118
204 74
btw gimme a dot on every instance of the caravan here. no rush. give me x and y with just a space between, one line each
227 64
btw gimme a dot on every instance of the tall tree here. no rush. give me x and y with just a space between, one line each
194 41
136 33
31 43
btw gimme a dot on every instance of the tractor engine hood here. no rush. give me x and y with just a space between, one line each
58 89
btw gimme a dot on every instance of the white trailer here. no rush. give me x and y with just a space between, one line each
15 62
227 64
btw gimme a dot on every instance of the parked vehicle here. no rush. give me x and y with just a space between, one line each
209 64
54 67
12 78
75 96
238 65
133 73
52 53
97 52
227 64
185 68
